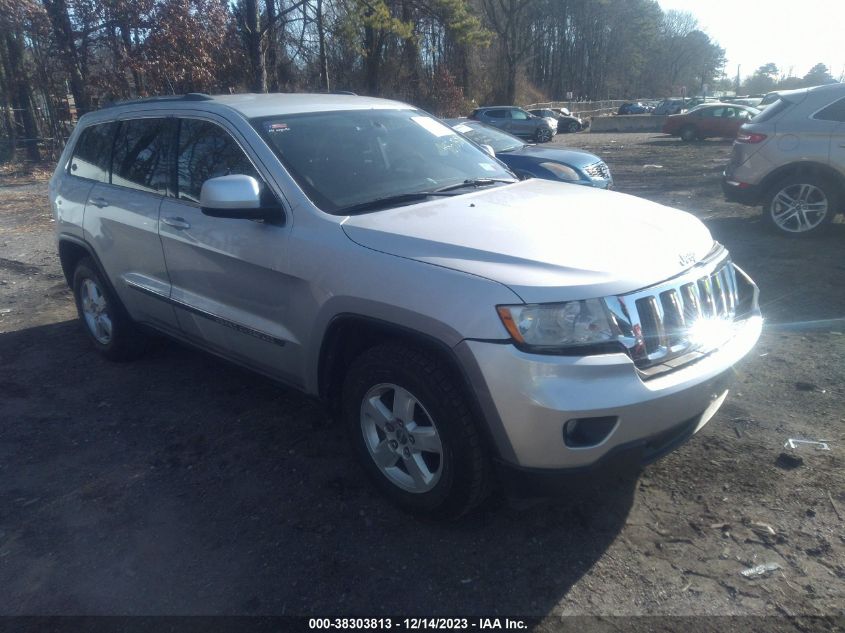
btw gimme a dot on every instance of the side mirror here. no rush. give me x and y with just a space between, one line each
489 149
236 196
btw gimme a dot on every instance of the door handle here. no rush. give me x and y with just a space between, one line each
99 202
177 223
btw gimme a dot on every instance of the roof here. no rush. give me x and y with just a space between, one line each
260 105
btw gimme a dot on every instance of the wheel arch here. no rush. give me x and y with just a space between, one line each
71 250
348 335
806 168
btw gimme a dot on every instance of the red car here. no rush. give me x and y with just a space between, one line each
712 119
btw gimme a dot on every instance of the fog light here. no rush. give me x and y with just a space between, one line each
584 432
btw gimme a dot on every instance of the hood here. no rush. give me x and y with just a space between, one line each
574 157
547 241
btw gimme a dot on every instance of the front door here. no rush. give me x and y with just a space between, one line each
229 286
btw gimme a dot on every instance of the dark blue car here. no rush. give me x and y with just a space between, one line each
550 163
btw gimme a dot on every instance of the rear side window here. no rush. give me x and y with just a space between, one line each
207 151
141 158
834 112
771 111
92 152
497 114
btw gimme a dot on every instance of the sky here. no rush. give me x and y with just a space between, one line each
793 35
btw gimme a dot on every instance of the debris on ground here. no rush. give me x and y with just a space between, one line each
760 570
821 445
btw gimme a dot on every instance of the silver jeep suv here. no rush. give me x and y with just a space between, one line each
460 322
791 159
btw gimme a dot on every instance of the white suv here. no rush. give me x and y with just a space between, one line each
458 320
791 159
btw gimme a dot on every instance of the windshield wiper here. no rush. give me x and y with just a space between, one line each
380 203
475 182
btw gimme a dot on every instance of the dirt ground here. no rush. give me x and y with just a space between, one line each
179 484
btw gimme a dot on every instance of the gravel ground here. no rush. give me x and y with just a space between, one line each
180 484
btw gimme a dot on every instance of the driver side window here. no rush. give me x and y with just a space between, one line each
518 115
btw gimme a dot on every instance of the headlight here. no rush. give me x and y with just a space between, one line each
562 172
556 325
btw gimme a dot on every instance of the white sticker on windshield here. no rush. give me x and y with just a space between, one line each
435 127
487 166
463 128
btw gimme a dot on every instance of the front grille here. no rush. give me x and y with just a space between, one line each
680 320
598 171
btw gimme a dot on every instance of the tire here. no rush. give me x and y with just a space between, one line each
688 133
574 127
394 392
799 206
543 135
103 318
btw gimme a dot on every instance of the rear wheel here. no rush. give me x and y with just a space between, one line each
573 126
801 205
414 432
105 321
688 133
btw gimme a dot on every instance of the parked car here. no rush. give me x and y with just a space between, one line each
552 163
568 122
455 319
549 115
669 106
633 108
767 100
516 121
791 159
563 122
754 102
720 120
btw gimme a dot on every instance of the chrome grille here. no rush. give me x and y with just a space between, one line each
597 170
656 325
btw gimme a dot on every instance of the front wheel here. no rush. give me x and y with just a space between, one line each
414 432
801 205
543 135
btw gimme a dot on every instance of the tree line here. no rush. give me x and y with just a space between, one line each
60 58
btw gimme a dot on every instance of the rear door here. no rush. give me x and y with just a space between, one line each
89 164
498 118
121 218
230 289
710 121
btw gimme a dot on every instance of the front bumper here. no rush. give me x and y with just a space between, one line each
740 192
528 398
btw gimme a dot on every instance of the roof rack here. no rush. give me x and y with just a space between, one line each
191 96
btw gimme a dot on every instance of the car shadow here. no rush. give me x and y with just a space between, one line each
180 484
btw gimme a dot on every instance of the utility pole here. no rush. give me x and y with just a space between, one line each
736 88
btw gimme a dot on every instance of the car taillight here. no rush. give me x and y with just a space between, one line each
750 137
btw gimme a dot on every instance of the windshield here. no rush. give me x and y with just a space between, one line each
345 159
486 135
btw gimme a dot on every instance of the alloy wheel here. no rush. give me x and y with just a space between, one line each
798 208
95 311
401 438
